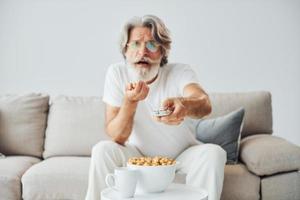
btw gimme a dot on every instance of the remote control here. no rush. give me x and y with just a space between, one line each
161 113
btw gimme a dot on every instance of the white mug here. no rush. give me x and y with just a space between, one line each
123 180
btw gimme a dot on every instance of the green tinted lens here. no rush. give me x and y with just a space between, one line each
133 45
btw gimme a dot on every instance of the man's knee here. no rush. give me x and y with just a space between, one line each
103 148
216 153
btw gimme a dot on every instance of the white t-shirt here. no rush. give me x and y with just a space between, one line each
153 138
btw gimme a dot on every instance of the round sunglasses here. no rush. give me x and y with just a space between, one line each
151 46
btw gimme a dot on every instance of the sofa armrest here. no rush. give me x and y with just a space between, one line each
268 154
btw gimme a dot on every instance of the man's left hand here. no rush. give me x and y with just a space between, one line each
179 111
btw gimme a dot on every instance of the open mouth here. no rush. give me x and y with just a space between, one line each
142 62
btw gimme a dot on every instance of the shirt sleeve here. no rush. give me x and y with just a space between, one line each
186 76
113 88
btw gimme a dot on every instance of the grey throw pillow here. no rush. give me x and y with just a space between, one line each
224 131
2 155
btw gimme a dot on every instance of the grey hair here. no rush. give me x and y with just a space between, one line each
159 32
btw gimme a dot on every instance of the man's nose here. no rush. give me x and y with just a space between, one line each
143 50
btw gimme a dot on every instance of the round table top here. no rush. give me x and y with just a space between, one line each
174 192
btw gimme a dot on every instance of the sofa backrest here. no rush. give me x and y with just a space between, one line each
22 124
75 124
258 109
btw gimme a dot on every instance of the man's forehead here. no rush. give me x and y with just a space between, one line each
140 33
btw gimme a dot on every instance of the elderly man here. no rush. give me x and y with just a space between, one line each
147 82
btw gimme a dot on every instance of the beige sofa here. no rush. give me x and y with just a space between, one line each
48 148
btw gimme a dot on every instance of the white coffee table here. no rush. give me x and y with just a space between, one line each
174 192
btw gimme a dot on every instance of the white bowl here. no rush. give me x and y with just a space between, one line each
154 178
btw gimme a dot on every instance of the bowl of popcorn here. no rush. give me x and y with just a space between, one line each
155 173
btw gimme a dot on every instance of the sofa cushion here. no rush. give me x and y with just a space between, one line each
281 186
224 131
11 170
57 178
23 121
240 184
266 154
75 124
258 109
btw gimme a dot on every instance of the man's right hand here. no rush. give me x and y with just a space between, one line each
136 91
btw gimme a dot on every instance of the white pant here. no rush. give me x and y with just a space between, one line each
203 165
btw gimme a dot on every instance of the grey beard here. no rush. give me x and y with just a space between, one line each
142 74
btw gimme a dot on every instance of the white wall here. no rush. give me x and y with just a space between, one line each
65 47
